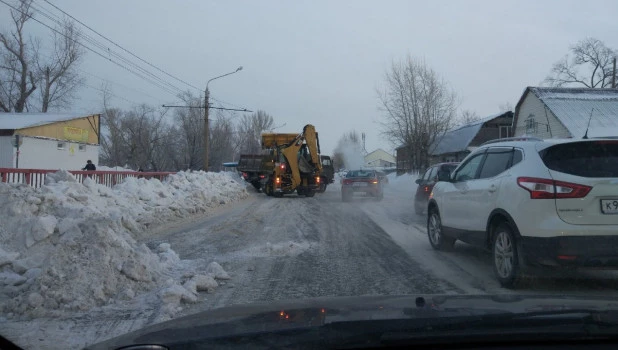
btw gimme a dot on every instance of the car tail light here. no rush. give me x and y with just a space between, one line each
374 181
347 182
262 176
552 189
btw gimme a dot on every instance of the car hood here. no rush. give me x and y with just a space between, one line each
299 314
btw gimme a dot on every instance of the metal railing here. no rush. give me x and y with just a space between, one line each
36 177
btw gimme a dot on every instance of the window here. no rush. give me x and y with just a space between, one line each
470 168
433 174
517 156
326 162
586 159
82 148
505 131
531 125
61 145
426 175
496 162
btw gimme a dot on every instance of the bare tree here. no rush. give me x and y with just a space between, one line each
58 77
418 107
190 133
250 130
17 80
24 68
221 142
468 117
589 64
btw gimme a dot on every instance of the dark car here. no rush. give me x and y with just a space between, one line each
426 183
361 181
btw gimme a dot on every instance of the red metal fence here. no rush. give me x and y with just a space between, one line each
36 177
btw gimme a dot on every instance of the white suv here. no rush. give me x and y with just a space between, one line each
532 202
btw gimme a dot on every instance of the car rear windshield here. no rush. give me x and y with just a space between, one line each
449 167
586 158
360 173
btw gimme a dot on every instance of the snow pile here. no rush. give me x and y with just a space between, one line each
71 247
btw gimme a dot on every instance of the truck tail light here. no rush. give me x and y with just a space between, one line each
282 166
277 180
317 180
552 189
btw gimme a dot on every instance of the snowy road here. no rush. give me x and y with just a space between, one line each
298 247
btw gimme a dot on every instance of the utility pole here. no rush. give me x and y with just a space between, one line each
206 108
206 126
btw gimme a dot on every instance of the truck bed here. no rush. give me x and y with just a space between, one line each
250 163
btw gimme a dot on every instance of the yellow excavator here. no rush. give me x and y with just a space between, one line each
294 163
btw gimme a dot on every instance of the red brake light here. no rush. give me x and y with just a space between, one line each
552 189
278 180
347 182
317 180
282 166
426 188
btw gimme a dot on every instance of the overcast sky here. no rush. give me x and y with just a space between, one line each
320 62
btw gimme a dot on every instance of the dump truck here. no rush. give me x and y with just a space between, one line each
295 164
254 167
328 173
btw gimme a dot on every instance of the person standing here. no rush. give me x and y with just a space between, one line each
89 166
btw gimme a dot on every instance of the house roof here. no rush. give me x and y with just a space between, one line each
459 139
381 154
13 121
574 107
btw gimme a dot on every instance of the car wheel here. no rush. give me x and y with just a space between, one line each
434 231
505 256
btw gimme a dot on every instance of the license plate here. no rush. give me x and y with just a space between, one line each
609 206
359 184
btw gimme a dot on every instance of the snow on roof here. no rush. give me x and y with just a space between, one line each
12 121
574 106
457 140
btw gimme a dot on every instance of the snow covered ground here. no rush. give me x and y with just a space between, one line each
69 248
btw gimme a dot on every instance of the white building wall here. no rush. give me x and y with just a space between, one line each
36 153
7 152
532 105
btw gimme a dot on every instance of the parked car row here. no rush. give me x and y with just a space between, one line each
531 202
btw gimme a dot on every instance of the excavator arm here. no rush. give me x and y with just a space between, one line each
290 145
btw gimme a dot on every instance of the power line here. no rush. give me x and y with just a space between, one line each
122 48
150 77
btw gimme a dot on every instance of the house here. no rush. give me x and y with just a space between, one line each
548 112
48 141
380 158
456 144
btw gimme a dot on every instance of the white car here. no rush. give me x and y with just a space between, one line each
532 202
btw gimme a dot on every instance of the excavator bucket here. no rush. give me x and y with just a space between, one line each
273 140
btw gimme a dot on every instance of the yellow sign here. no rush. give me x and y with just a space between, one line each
75 134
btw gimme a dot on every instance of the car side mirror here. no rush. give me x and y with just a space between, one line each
418 181
444 175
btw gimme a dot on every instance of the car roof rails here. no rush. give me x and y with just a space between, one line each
506 139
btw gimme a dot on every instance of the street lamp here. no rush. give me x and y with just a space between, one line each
206 107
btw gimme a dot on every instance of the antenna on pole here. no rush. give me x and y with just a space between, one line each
588 127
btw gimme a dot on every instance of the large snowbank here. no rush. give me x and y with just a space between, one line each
70 247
